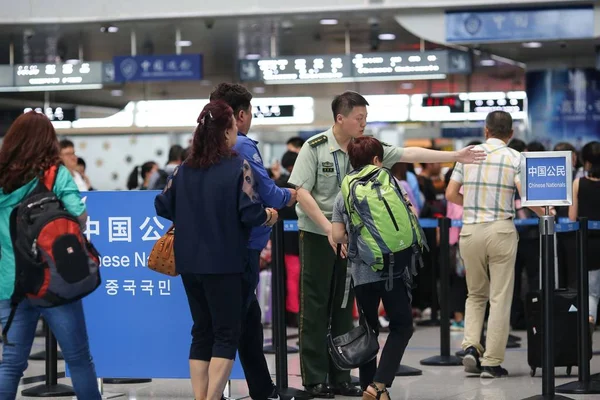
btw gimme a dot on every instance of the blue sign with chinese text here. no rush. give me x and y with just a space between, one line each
547 179
520 25
138 320
182 67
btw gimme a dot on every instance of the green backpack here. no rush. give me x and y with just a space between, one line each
383 226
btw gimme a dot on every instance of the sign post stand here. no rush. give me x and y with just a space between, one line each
546 179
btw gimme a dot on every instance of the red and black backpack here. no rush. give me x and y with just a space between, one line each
55 263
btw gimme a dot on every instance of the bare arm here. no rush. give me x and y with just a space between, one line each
339 232
310 207
468 155
453 193
574 208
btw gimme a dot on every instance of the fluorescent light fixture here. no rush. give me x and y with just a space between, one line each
252 56
531 45
387 36
72 61
50 88
116 93
328 21
487 62
183 43
113 29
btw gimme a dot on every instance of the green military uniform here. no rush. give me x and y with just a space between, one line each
320 168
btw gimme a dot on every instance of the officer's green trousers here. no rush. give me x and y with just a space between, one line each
317 258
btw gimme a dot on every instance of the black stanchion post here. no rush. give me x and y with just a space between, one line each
51 388
41 355
547 228
279 328
433 321
583 385
444 359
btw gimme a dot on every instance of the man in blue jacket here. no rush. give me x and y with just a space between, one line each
250 349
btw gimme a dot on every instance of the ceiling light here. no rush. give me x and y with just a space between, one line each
387 36
487 62
532 45
252 56
329 21
72 61
109 29
183 43
116 93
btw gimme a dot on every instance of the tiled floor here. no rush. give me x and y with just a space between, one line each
435 383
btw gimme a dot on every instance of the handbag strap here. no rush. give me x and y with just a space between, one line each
333 287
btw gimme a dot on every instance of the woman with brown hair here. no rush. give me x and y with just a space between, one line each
211 200
29 150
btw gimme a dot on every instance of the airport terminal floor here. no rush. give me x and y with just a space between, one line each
436 383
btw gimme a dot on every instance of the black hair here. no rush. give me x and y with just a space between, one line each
535 146
518 145
344 103
132 181
65 144
289 159
296 141
499 124
474 143
591 154
175 153
81 161
235 95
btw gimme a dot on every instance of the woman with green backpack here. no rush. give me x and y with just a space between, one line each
372 215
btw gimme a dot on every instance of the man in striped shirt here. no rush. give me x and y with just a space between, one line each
488 243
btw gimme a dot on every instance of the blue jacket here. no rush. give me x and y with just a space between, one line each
213 211
270 194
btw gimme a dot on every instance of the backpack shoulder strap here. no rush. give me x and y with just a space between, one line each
50 177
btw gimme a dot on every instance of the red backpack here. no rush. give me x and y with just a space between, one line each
55 263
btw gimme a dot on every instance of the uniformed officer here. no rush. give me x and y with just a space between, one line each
320 168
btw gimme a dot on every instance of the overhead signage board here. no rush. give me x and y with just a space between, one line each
489 105
520 25
7 78
49 75
546 178
182 67
354 68
410 63
454 102
301 69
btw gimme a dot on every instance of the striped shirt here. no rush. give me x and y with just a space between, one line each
489 188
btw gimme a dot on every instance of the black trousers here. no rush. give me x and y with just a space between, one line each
399 311
250 349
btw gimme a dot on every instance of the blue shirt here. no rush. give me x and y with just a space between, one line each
213 210
270 194
413 182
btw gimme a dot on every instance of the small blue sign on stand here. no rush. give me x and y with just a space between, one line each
182 67
546 178
138 320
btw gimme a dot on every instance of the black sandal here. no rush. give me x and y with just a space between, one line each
369 396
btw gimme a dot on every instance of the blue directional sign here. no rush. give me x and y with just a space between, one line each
520 25
183 67
546 178
138 320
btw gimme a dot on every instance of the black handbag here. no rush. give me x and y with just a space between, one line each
355 348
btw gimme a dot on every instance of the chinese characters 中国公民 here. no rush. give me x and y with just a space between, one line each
145 285
119 229
549 170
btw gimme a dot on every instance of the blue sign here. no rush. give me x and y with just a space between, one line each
547 178
520 25
564 105
183 67
138 320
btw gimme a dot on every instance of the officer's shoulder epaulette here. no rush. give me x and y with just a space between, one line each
319 140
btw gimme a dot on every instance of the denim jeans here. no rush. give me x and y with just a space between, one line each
68 325
594 285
